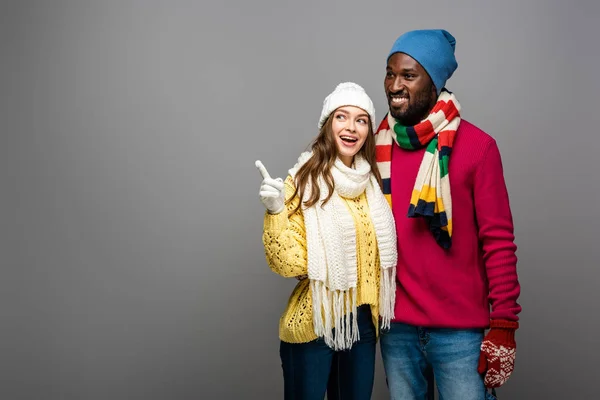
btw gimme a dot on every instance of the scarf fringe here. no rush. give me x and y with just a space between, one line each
387 296
331 245
334 316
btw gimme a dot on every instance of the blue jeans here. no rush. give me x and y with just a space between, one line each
312 369
412 356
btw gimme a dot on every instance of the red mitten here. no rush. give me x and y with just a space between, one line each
498 350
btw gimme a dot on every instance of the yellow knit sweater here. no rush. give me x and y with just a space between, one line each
284 239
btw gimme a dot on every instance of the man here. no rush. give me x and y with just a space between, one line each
456 254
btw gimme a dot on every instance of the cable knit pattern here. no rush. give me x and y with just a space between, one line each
285 245
369 271
331 246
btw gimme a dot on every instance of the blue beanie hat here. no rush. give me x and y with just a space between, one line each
433 49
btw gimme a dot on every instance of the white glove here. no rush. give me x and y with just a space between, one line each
271 191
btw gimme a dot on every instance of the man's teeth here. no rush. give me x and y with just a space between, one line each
399 100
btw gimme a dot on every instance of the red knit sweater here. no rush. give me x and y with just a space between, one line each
454 288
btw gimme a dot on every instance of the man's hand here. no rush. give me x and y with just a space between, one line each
498 351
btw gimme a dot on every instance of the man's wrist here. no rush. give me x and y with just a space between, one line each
503 324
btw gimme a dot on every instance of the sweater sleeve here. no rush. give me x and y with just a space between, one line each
496 234
284 238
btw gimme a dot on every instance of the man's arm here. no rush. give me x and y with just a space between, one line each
496 235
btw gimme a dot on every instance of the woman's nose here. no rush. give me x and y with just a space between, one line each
350 125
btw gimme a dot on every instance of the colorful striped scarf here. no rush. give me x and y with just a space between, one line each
431 198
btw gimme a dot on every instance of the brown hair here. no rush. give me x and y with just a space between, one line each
325 153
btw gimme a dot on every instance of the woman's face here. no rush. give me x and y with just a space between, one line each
350 126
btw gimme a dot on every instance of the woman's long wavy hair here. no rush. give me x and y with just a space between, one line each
325 153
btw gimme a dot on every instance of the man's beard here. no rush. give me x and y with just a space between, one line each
418 108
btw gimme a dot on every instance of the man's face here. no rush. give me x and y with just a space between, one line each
409 90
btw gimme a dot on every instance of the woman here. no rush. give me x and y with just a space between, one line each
329 222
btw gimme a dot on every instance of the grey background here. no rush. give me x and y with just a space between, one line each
131 256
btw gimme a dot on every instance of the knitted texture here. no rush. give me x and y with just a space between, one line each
331 246
433 49
347 94
431 197
481 267
498 352
284 239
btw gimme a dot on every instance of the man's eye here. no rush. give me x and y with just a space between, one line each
389 75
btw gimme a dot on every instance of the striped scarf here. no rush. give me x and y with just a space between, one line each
431 197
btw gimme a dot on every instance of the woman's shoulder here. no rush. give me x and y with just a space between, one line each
302 159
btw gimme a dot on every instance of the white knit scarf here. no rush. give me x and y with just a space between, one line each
331 247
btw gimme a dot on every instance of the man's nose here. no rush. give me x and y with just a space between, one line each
397 85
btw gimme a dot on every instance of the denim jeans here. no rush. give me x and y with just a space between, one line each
312 369
412 356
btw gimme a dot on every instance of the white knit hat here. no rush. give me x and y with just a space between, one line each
347 94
